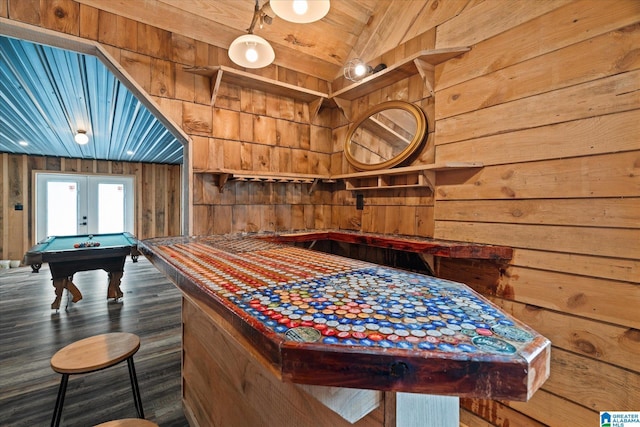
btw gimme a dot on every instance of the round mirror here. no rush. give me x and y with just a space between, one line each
385 136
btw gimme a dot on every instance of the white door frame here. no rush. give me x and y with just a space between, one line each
87 194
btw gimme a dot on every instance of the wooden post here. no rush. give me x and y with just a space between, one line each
426 410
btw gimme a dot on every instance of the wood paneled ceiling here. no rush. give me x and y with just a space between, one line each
352 28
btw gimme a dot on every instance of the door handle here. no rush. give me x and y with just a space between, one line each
83 223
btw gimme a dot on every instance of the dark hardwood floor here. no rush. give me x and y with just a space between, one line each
30 333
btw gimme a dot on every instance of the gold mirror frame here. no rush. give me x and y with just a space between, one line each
418 137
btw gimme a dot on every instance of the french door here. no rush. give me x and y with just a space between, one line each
73 204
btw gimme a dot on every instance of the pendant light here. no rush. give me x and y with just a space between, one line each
300 11
249 50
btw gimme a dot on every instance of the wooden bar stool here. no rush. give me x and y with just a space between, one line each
94 354
128 422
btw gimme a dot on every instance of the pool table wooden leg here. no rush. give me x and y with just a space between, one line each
114 285
60 285
75 292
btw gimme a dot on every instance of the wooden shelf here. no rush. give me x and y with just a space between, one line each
422 62
221 73
414 176
226 175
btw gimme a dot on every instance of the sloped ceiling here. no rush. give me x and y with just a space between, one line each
48 94
352 28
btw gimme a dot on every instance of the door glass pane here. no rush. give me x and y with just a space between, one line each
110 208
62 208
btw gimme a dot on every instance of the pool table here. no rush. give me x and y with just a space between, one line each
67 255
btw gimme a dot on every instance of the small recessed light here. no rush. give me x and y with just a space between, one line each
23 143
131 153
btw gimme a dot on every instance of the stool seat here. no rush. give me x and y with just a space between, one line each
95 353
128 422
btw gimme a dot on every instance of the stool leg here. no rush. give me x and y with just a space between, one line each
57 412
134 386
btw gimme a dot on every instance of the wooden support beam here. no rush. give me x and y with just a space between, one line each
428 178
314 107
222 180
216 80
314 185
427 73
345 106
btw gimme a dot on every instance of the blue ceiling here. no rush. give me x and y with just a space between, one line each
47 94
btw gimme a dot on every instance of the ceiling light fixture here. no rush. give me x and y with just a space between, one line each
249 50
81 137
300 11
23 143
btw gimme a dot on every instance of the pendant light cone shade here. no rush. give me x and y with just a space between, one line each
251 51
300 11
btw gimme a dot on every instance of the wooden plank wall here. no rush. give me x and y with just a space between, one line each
257 131
547 99
157 187
391 211
551 107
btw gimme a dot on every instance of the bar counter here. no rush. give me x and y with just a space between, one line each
311 323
